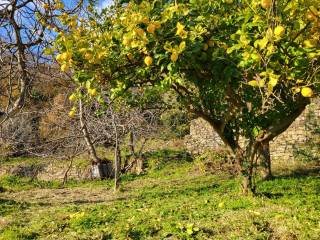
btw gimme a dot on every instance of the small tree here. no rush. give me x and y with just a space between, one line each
247 67
25 30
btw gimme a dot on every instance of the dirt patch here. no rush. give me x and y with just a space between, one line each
58 196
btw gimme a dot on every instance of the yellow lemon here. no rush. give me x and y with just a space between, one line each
174 56
59 57
65 56
279 31
64 67
72 113
180 29
151 28
72 97
306 92
148 60
266 3
221 205
310 43
92 91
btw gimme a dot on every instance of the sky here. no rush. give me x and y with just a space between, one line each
3 4
28 22
101 3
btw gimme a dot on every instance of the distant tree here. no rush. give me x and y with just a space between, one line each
25 31
248 67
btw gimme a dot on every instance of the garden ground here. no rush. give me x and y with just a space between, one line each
173 200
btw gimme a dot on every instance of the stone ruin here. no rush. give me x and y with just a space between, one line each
202 136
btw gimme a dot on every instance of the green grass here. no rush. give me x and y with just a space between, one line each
171 201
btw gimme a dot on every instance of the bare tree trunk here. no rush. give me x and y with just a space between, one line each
65 177
131 152
96 166
86 135
131 143
137 162
24 80
116 156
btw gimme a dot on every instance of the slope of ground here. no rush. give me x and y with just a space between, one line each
172 201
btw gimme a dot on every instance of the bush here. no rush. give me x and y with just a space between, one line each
214 162
176 121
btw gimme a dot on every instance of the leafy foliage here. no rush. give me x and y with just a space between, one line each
240 61
247 67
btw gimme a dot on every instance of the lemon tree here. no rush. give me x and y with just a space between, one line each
248 67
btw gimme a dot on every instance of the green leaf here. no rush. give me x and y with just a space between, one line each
48 51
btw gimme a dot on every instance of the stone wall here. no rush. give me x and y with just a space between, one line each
46 171
203 137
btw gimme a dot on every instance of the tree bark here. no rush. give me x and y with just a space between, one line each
117 159
99 169
265 160
247 168
86 135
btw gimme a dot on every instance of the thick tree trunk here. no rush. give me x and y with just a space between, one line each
247 185
245 164
265 160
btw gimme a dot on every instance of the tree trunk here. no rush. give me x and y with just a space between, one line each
265 160
116 166
246 166
131 152
99 169
117 159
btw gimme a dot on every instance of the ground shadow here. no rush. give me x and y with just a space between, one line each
269 195
300 173
160 158
8 205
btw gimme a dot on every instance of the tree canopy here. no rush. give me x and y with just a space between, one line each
247 67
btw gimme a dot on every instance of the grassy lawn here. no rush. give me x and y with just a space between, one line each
171 201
